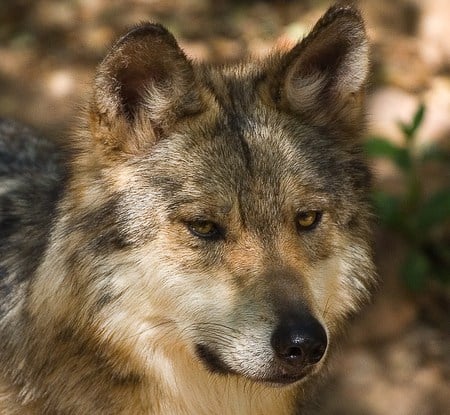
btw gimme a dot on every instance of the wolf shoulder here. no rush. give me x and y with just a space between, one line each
31 180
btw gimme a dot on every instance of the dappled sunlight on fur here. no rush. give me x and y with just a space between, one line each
200 243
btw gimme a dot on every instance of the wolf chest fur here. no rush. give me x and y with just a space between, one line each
198 244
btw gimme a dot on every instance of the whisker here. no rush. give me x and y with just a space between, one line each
327 305
138 334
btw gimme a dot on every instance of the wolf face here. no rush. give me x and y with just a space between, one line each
239 193
216 220
251 234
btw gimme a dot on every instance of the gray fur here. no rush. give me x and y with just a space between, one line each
111 303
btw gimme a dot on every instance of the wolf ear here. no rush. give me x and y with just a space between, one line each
324 75
143 86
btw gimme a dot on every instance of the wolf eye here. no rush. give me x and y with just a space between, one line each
204 229
308 220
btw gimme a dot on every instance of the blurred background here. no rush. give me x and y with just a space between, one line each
397 359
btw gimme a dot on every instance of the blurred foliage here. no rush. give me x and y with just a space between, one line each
423 221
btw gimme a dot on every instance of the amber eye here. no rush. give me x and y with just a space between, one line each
308 220
204 229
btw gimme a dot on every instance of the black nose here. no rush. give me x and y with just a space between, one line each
299 340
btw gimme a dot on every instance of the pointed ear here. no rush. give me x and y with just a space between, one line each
143 86
323 77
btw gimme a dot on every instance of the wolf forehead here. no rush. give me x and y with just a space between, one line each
253 155
238 135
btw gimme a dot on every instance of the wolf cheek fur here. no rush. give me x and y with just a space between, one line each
210 241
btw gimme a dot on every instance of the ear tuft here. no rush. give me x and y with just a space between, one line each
147 70
147 79
327 69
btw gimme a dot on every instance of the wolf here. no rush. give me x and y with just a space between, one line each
199 243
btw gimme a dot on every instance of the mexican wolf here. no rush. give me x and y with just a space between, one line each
200 243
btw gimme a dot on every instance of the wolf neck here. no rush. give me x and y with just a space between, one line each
192 390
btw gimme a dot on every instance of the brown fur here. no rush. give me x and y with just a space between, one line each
126 308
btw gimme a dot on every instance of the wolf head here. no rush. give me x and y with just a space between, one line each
222 213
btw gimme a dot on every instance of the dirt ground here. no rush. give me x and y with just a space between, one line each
397 359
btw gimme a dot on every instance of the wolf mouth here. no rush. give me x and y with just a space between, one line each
280 380
216 365
211 360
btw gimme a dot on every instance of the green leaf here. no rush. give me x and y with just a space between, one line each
409 130
406 130
380 147
434 211
415 270
418 118
388 210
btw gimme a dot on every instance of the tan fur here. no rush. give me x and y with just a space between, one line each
126 309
